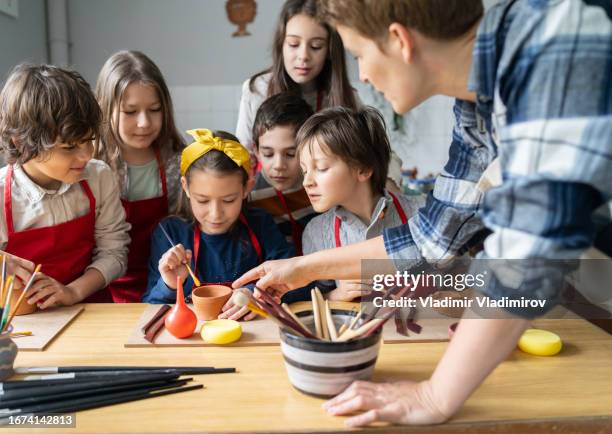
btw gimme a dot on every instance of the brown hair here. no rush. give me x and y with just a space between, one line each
436 19
120 70
358 137
214 161
284 109
332 79
41 105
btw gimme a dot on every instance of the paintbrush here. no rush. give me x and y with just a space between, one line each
191 273
21 298
185 370
46 387
74 405
54 396
7 304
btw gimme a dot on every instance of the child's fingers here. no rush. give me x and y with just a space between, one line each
229 304
229 312
239 313
249 316
51 301
41 294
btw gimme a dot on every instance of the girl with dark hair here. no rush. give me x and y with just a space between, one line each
307 60
213 227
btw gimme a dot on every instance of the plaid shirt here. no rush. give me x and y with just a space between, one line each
542 72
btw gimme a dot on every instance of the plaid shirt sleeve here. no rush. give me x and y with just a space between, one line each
450 218
552 99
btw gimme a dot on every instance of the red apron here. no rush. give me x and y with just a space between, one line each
398 207
196 248
64 250
143 215
296 229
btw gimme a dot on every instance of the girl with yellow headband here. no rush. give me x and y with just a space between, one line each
213 231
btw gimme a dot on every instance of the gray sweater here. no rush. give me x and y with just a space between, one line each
319 233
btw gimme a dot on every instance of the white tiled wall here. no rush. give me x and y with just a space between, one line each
212 107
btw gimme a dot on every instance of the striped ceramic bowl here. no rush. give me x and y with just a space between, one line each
324 369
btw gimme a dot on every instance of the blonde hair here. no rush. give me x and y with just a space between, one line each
120 70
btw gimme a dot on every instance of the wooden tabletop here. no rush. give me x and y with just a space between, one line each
571 392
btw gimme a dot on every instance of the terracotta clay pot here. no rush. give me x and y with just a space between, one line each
209 299
24 308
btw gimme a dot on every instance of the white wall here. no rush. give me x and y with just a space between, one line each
23 39
190 40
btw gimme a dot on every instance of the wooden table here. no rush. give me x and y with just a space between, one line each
571 392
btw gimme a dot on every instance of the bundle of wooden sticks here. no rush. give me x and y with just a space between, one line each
364 324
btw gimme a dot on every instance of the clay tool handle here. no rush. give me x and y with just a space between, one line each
400 326
154 330
333 335
322 314
361 331
316 315
295 318
162 310
275 309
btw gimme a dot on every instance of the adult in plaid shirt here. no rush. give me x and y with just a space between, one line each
533 82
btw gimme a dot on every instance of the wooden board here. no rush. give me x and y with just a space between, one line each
44 325
263 332
256 332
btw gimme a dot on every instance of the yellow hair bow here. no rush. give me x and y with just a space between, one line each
205 142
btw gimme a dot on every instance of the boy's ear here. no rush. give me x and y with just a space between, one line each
249 187
184 185
364 175
400 38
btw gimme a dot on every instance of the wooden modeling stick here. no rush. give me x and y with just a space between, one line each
287 309
268 311
361 331
162 310
323 318
316 314
330 323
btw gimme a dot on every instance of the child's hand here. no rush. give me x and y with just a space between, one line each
22 268
172 265
48 292
349 290
230 311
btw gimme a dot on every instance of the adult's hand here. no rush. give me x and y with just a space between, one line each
276 277
405 403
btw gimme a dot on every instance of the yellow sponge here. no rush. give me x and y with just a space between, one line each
221 331
540 342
